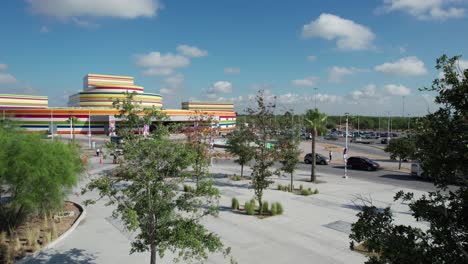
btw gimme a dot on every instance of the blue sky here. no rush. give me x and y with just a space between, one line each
363 57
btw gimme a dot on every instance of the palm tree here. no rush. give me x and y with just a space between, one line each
315 121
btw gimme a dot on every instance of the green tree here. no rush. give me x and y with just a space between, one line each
265 157
401 149
442 149
239 145
288 141
316 122
35 175
144 189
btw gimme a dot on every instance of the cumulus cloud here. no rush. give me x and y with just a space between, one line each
6 78
3 66
219 87
336 73
128 9
191 51
307 81
232 70
157 71
311 58
329 98
394 89
348 34
425 9
408 66
156 59
173 84
369 91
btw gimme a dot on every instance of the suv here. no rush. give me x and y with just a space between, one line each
319 159
362 163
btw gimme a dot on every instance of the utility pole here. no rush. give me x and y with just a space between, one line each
315 97
345 151
89 128
409 120
388 128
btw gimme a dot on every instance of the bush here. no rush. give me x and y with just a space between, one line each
7 255
316 191
306 192
236 177
280 187
301 187
188 188
289 188
235 204
279 208
265 207
252 202
273 209
249 208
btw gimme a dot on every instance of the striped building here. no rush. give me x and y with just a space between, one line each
93 111
208 106
22 101
101 90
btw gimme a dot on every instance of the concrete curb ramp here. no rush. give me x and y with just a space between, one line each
60 238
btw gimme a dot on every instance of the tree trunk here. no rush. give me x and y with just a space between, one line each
312 168
292 186
153 253
399 164
242 170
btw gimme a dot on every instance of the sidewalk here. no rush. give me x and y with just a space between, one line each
313 229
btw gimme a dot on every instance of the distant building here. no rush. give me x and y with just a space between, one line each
9 101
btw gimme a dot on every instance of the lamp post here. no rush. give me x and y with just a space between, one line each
388 128
315 97
89 129
345 151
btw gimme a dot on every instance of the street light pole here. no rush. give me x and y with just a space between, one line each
315 97
345 152
89 128
388 128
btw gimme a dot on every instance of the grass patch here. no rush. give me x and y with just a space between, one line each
235 203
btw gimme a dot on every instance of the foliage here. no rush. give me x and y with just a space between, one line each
306 192
145 192
188 188
273 209
265 208
35 175
279 208
401 149
235 203
249 208
442 149
315 123
264 157
239 145
289 151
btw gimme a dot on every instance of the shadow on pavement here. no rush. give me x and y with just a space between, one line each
70 256
229 184
402 177
229 209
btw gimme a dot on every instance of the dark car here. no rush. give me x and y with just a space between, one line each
331 137
362 163
117 140
319 159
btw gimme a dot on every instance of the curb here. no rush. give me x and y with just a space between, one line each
58 239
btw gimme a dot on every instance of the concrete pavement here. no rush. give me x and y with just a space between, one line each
312 229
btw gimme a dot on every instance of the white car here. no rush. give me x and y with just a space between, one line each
417 171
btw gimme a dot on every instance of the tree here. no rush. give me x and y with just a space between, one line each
442 150
289 147
265 155
401 149
144 189
35 175
239 145
315 121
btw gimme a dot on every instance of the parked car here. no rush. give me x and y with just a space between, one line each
362 140
319 159
306 136
417 171
384 141
331 137
117 140
362 163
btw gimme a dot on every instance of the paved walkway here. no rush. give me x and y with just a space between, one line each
313 229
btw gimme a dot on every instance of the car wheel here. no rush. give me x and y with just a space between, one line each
306 161
369 168
323 162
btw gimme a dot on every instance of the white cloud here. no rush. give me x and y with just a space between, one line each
220 87
329 98
191 51
425 9
463 64
369 91
348 34
164 91
336 74
3 67
311 58
408 66
156 59
96 8
399 90
307 81
44 29
6 78
232 70
173 84
157 71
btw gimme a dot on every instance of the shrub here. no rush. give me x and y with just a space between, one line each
289 188
301 187
31 236
16 244
2 238
7 255
265 207
316 191
279 208
46 238
306 192
273 209
235 203
252 202
249 208
188 188
280 187
53 231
